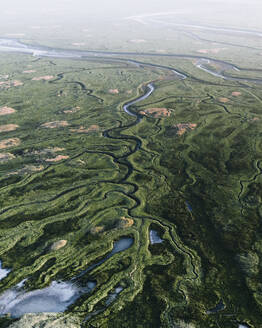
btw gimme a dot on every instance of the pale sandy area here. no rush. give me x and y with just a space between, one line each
183 127
58 244
9 84
43 78
223 100
82 129
126 222
28 169
73 110
8 127
55 124
29 71
156 112
97 229
113 91
5 157
6 110
11 142
236 93
17 83
57 158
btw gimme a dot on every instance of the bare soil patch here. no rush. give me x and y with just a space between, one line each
28 169
183 127
73 110
113 91
57 158
157 112
236 93
55 124
8 127
11 142
43 78
6 110
97 229
29 71
58 244
223 100
45 151
5 157
17 83
82 129
126 222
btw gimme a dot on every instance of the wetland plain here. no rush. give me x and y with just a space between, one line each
131 176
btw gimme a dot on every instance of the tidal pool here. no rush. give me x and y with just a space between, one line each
55 298
154 237
219 307
3 272
113 295
119 246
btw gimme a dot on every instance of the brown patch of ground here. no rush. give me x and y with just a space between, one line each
236 93
34 168
17 83
58 244
11 142
5 157
256 119
223 100
28 169
29 71
183 127
113 91
8 127
45 151
97 229
73 110
5 84
43 78
9 84
92 128
157 112
6 110
55 124
57 158
126 222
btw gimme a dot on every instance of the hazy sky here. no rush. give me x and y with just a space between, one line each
22 14
107 8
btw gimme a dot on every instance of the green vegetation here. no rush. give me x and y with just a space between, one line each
75 175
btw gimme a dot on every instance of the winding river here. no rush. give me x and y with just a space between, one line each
14 45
